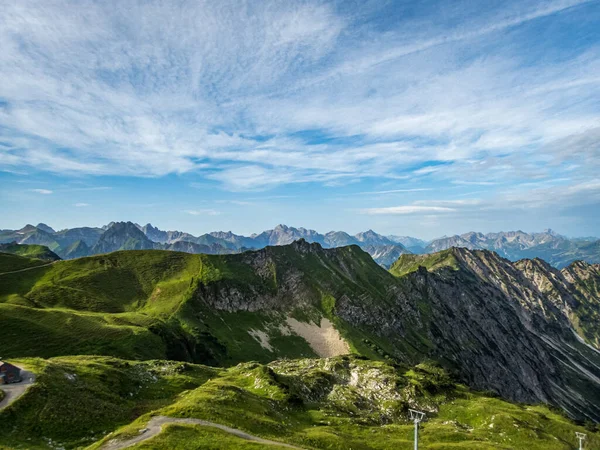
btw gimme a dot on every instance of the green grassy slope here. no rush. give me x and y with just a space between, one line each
76 400
30 251
408 263
337 403
48 332
116 282
10 262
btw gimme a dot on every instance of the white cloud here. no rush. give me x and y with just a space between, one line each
202 212
187 88
407 209
81 205
461 202
42 191
395 191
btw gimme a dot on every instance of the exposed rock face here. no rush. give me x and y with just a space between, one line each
449 242
38 237
368 389
574 290
504 328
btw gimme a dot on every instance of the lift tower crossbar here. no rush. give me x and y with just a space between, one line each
416 417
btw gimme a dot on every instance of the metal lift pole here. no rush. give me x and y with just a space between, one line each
417 417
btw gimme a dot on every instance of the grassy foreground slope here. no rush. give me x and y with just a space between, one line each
335 403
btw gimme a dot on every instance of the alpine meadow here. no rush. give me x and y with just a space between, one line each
306 224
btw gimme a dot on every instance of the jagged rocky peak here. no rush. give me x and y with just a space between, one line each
123 226
154 234
371 238
123 236
303 246
364 235
223 234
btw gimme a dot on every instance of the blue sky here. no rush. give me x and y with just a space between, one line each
417 118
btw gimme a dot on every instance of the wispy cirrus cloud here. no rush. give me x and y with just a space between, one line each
202 212
407 209
42 191
224 91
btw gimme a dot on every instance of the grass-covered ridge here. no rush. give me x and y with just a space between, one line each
11 263
335 403
408 263
30 251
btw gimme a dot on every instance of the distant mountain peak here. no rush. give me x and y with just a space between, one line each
27 229
46 228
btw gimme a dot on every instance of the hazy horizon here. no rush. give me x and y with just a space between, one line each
323 232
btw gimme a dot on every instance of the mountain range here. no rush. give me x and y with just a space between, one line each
554 248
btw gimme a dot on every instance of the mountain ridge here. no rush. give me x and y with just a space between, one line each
514 245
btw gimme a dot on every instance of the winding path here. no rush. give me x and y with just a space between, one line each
156 423
13 391
28 268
